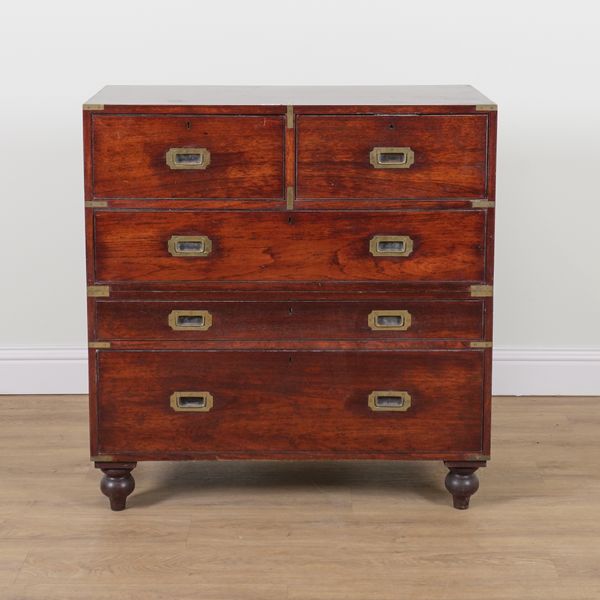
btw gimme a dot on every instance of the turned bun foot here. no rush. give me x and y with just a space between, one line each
462 482
117 483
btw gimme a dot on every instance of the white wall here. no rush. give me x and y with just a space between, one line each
540 61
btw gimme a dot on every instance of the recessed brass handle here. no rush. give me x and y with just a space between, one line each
190 320
391 245
191 401
189 245
391 401
392 158
389 320
188 158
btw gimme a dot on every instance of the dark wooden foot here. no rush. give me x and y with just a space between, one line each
117 483
462 482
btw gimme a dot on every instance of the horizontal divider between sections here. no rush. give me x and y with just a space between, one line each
279 298
292 346
132 455
279 204
259 293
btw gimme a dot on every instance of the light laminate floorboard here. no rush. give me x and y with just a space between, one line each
302 531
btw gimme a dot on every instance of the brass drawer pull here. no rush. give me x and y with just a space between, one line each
190 320
389 320
392 158
391 245
189 245
191 401
188 158
389 401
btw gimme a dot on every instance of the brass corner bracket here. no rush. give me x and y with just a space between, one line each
93 107
289 117
481 344
482 291
98 291
482 204
486 107
98 345
290 196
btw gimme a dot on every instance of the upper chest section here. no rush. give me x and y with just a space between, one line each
245 151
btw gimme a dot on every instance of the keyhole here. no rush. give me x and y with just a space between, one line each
290 310
290 359
391 126
289 220
188 125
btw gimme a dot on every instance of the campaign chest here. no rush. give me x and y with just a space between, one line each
289 273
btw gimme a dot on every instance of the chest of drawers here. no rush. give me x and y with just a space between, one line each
289 273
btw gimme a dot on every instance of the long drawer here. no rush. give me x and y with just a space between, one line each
290 320
271 246
387 156
289 402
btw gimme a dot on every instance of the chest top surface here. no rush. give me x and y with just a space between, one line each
195 95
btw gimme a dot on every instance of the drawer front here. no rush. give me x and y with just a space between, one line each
292 320
318 401
195 246
188 157
414 157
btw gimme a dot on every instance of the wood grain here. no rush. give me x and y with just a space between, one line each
333 156
291 320
289 286
305 246
489 269
294 402
246 157
302 531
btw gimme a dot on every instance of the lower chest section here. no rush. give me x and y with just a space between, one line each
257 334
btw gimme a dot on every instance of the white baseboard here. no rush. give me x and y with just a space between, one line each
517 371
546 371
44 370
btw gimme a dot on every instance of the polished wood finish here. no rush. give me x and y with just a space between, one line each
117 483
462 482
387 345
246 157
449 246
265 96
276 400
353 530
290 203
489 261
333 156
291 320
131 290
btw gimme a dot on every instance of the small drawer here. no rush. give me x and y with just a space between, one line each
343 402
188 157
392 157
269 246
291 320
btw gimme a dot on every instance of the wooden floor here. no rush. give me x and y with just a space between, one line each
262 531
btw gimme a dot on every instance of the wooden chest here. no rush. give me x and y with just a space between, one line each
289 273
